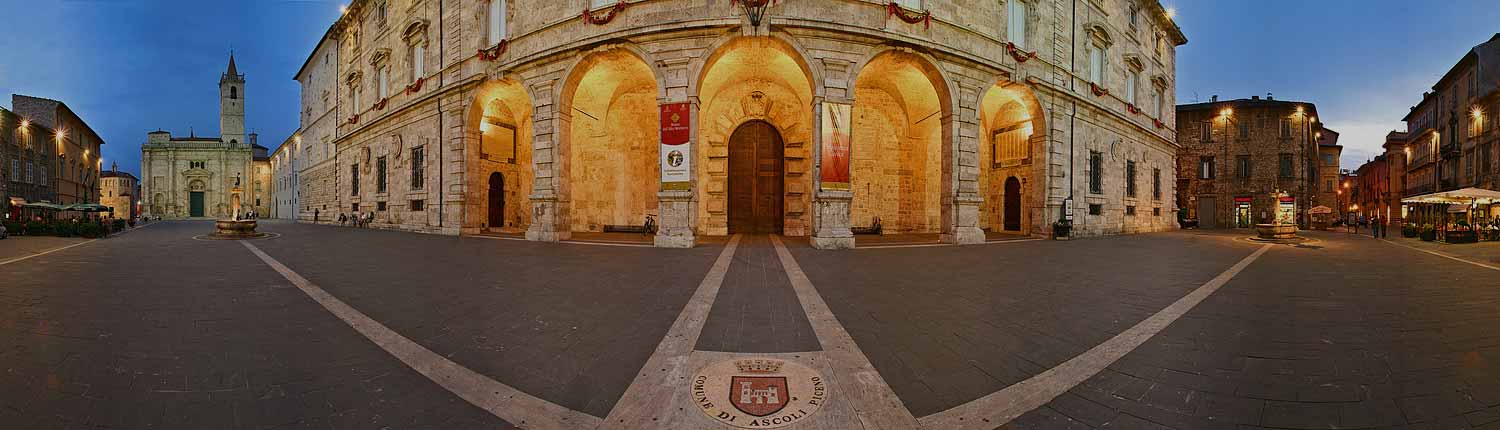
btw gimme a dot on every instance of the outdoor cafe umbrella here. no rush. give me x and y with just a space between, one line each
44 205
88 207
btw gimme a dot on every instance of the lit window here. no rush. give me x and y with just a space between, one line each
1015 12
497 21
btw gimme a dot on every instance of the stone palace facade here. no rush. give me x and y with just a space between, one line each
958 118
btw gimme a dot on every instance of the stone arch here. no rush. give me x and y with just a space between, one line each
902 148
1012 143
779 41
750 78
608 137
498 136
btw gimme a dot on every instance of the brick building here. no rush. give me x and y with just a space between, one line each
26 162
1372 191
75 169
120 191
1236 153
1327 183
1451 140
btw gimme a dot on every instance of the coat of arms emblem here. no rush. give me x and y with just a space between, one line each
762 392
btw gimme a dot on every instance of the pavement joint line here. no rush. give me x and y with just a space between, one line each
874 402
500 400
649 396
999 408
1444 255
60 248
933 245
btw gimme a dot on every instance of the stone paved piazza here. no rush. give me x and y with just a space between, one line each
329 327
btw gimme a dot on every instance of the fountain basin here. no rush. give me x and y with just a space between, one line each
1276 231
235 228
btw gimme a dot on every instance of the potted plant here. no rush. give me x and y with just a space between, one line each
1062 229
1409 230
1428 233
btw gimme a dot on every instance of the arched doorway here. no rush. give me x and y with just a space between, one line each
1012 204
755 179
195 199
497 201
897 170
609 145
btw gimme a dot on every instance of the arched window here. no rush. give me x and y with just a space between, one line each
497 21
234 93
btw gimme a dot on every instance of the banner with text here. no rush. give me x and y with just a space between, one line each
836 133
676 154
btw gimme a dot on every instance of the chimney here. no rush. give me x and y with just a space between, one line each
1254 97
252 138
1213 99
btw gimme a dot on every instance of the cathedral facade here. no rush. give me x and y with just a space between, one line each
193 176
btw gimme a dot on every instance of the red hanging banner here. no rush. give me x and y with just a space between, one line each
674 123
836 132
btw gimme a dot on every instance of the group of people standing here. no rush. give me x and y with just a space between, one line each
356 219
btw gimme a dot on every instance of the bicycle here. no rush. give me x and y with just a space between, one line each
650 226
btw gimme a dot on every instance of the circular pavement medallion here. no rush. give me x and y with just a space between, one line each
759 393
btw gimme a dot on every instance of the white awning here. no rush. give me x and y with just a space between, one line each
1320 210
1461 196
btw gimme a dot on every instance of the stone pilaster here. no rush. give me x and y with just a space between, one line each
549 205
675 228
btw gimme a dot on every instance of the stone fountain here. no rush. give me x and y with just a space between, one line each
234 227
1280 229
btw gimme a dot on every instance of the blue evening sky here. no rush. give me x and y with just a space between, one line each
132 66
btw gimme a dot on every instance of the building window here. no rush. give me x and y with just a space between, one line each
1097 58
1206 167
1156 184
1130 210
233 93
417 161
354 207
1155 211
1161 104
384 77
1476 124
418 205
1096 209
1286 128
1130 83
354 179
1015 28
1328 160
380 175
1135 12
1328 186
1161 43
1286 165
1244 130
1242 167
418 61
1130 178
15 169
380 206
380 13
1206 131
1484 159
354 95
1096 172
497 21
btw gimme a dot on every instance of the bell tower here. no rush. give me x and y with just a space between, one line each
232 105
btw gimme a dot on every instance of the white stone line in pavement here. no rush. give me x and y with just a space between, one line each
1440 254
931 245
854 378
649 397
60 248
1000 407
504 401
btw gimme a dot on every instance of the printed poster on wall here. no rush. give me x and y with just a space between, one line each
676 154
834 160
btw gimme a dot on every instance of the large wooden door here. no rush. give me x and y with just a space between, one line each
1012 204
195 204
497 200
755 179
1208 211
